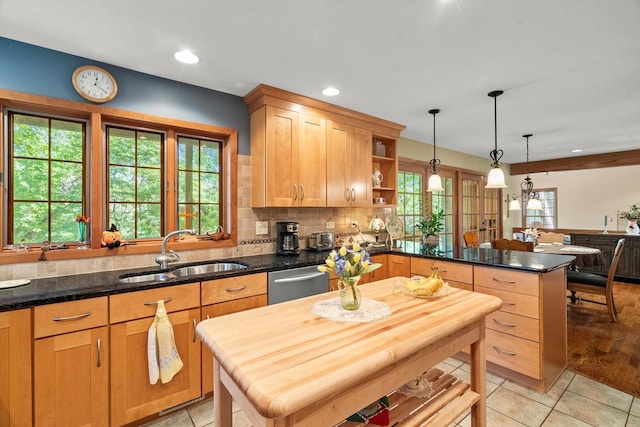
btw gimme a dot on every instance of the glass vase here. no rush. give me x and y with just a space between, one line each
350 295
82 235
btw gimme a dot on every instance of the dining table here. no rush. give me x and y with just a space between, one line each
309 362
585 256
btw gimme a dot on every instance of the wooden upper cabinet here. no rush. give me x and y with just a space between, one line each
288 152
349 167
308 153
311 164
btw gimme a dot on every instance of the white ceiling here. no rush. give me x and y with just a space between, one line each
570 69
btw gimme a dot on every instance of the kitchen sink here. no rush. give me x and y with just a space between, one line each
217 267
152 277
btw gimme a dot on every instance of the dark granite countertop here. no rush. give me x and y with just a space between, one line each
81 286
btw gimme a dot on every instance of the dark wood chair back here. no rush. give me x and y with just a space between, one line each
596 284
512 245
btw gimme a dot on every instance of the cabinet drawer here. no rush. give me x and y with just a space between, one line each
448 270
514 353
508 280
513 324
525 305
71 316
132 305
214 291
460 285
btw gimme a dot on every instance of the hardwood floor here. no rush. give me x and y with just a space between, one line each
605 351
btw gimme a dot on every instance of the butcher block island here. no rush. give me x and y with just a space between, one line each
285 365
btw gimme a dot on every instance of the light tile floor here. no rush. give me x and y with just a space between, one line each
574 401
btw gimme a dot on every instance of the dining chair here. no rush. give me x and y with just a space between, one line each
550 237
471 239
513 245
596 284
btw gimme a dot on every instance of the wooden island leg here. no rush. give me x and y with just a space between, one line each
479 379
222 411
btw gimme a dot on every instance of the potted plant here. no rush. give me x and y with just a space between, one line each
430 226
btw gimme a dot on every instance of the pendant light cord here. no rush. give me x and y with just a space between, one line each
495 154
434 162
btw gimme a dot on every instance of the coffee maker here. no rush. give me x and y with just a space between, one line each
287 238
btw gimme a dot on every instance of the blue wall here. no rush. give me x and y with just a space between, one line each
33 69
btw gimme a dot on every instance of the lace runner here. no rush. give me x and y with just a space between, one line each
370 310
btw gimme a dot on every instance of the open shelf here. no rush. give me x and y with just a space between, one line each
451 398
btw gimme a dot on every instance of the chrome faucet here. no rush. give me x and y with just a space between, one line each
165 258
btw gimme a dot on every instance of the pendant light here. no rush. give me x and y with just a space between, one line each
496 175
435 182
533 202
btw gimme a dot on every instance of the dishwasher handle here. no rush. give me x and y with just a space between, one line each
299 278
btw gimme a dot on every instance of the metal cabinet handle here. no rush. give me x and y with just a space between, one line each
353 194
77 316
194 330
99 354
499 350
347 194
510 325
295 192
239 288
155 302
301 192
511 282
508 303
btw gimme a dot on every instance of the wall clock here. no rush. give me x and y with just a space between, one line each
94 83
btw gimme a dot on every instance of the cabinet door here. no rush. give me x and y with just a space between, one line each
311 164
219 310
15 368
132 397
339 139
361 169
71 379
282 133
382 272
348 165
399 266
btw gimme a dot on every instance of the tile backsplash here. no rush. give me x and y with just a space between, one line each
249 243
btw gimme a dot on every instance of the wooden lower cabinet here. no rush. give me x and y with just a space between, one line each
71 373
71 364
132 396
398 265
15 368
456 274
526 340
225 296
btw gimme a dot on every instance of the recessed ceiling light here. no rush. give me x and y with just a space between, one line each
330 91
186 56
577 150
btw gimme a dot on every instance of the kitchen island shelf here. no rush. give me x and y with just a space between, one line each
450 399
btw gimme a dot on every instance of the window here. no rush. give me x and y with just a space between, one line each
467 205
414 202
46 184
134 181
546 218
145 174
410 206
199 189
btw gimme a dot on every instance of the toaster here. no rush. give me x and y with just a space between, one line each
321 241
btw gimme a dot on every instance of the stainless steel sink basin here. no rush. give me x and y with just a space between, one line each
152 277
217 267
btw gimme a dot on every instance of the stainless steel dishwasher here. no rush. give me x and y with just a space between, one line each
286 285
